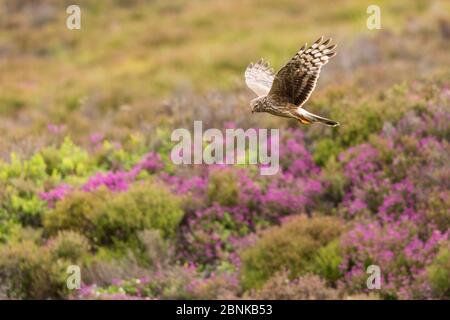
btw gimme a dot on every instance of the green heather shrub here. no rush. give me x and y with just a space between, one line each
326 262
19 186
68 159
158 251
23 180
26 271
145 206
437 210
307 287
163 145
131 150
7 227
69 245
33 169
109 264
324 150
106 217
334 181
294 245
30 271
78 211
359 125
439 273
223 187
22 203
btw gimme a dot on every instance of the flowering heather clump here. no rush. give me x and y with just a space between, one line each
294 157
151 163
397 185
239 201
365 179
96 138
117 181
210 233
114 181
401 252
55 128
121 180
195 185
55 194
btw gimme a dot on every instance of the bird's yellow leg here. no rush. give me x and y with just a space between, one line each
303 120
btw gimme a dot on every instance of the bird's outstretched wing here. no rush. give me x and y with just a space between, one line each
298 78
259 77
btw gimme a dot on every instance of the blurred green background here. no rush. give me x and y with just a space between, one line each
131 55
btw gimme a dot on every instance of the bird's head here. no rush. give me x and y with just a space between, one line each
256 105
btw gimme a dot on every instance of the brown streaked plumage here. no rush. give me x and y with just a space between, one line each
284 94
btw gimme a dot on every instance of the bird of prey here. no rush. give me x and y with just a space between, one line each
284 94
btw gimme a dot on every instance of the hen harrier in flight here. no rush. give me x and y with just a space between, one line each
284 94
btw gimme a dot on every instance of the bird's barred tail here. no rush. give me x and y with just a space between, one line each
306 117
